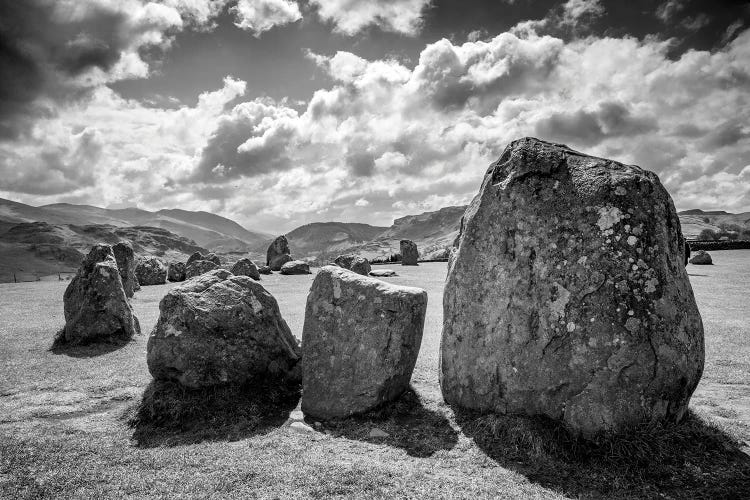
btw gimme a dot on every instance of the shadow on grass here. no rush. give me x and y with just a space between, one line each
692 459
411 426
171 415
59 347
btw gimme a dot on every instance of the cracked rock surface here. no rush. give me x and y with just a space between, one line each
219 328
360 342
567 296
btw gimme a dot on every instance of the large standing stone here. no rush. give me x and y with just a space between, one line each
125 258
246 267
409 253
701 258
198 267
278 253
221 329
567 295
176 271
295 267
95 305
355 263
360 342
151 271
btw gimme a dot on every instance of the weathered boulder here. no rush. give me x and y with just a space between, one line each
176 272
194 257
221 329
95 305
264 270
246 267
295 267
125 258
212 257
360 342
355 263
278 253
567 295
198 267
383 273
701 258
151 271
409 253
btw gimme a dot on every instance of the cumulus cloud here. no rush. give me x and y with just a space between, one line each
352 16
258 16
574 10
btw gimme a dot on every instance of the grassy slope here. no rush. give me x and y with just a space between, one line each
64 421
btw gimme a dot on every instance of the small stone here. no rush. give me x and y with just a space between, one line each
198 267
701 258
151 271
297 415
246 267
378 433
295 267
301 427
176 272
383 273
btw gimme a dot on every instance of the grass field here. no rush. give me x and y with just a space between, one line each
68 426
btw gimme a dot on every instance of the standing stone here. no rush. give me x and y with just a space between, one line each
212 257
567 295
246 267
151 271
264 270
409 253
360 342
194 257
198 267
176 272
278 253
295 267
355 263
125 258
95 305
221 329
687 252
701 258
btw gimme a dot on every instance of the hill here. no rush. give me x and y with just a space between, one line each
34 249
694 221
208 230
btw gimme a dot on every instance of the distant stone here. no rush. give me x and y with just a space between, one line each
409 253
198 267
95 305
125 258
278 253
246 267
151 271
383 273
567 295
301 427
701 258
177 272
360 341
355 263
264 270
687 252
378 433
212 257
297 415
221 329
194 257
295 267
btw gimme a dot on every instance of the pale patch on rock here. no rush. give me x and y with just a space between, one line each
608 217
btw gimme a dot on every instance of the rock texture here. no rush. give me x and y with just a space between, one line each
212 257
221 329
125 258
360 342
195 256
278 253
295 267
246 267
409 253
151 271
567 295
355 263
701 258
95 305
176 272
198 267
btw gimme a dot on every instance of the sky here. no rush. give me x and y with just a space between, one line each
278 113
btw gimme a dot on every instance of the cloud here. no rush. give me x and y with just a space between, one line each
668 9
258 16
52 53
575 10
352 16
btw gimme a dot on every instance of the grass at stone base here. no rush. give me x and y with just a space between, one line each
72 422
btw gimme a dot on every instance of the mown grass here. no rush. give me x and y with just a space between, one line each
90 423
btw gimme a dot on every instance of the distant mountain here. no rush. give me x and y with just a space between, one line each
694 221
33 249
211 231
324 238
